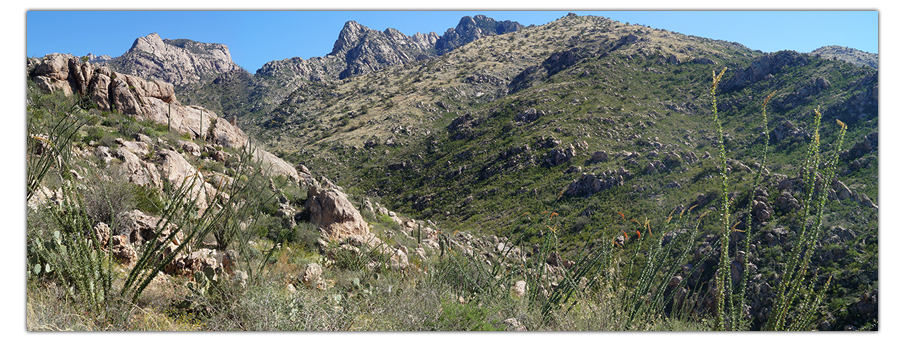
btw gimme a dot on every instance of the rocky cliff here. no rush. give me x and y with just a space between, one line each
359 50
152 100
470 29
179 62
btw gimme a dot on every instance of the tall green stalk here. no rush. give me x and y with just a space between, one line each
748 231
798 266
723 275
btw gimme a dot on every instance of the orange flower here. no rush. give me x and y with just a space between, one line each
623 216
638 234
626 235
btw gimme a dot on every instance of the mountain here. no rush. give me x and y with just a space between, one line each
490 126
204 72
179 62
587 117
470 29
851 55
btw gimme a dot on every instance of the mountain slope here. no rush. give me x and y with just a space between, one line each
587 117
591 119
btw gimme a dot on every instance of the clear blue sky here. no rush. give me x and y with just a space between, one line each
256 37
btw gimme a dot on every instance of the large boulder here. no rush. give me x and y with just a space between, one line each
312 277
122 250
336 217
139 227
197 261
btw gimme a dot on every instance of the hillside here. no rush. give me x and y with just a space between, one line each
579 137
853 56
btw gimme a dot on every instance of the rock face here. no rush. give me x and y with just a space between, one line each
178 61
144 100
365 50
760 68
359 50
179 171
472 28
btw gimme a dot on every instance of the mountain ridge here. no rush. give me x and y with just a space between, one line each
591 120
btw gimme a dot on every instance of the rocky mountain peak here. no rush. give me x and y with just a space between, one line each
472 28
351 33
179 61
151 43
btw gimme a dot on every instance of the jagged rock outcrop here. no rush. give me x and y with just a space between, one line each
366 50
144 100
179 62
360 50
472 28
763 67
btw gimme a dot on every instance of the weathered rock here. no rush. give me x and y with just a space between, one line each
529 115
139 172
311 277
336 217
189 147
197 261
179 172
139 227
102 152
102 232
786 202
122 251
141 149
512 324
600 156
272 164
558 156
178 62
519 289
228 135
399 260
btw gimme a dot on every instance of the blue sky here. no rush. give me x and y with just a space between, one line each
256 37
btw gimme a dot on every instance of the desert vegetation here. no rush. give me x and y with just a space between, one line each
584 175
636 281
